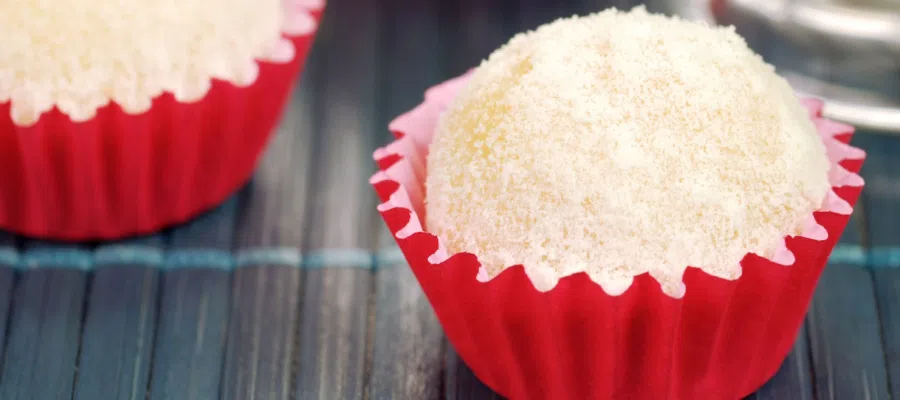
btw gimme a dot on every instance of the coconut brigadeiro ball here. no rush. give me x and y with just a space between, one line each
129 51
622 143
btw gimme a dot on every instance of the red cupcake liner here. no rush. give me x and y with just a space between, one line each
119 174
722 340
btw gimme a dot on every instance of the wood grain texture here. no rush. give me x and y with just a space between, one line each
334 325
341 203
794 379
881 200
45 328
333 334
460 383
265 297
264 309
272 207
407 341
844 331
117 338
8 247
265 301
194 307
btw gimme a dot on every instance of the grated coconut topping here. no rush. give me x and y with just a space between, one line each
622 143
80 54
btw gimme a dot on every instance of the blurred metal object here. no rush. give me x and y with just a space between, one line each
846 52
695 10
866 22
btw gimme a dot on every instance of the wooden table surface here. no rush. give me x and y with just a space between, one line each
294 289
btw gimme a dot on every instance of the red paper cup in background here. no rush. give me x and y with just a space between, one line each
119 174
722 340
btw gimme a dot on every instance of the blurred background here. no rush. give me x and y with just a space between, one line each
845 51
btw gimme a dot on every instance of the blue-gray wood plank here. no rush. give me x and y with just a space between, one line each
46 323
793 381
120 321
460 382
194 307
9 258
260 356
882 203
334 318
407 341
266 285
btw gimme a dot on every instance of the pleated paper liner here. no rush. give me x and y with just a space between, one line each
720 340
120 174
